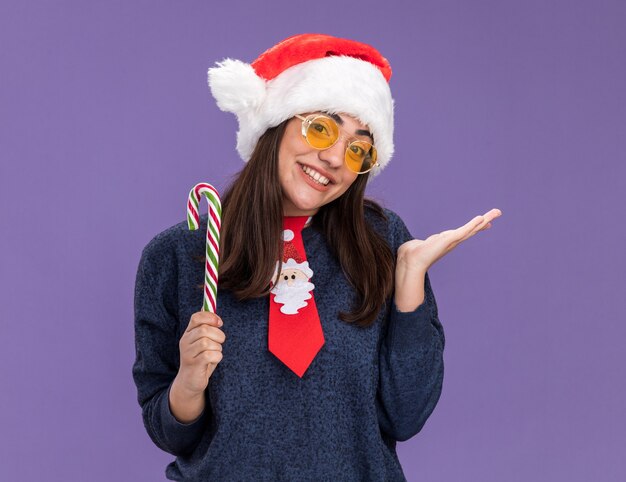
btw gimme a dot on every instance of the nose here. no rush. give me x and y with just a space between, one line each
334 155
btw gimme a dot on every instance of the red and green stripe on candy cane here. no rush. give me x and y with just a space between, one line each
212 237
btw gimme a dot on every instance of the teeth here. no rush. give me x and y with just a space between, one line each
316 176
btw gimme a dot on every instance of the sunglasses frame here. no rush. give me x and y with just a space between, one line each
308 120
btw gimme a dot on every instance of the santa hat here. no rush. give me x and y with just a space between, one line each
303 266
306 73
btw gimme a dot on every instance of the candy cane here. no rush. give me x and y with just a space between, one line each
212 237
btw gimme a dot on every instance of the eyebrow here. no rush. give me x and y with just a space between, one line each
358 132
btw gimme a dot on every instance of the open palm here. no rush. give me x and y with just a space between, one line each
420 254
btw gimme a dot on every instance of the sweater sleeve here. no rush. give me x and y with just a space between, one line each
157 353
410 360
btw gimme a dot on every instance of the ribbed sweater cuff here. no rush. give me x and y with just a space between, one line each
178 433
406 329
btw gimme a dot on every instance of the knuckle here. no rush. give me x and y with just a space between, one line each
212 356
213 345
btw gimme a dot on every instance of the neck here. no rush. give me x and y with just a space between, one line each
308 221
293 212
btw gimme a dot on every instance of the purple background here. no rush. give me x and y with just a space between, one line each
107 121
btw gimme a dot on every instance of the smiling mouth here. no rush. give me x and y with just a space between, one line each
315 176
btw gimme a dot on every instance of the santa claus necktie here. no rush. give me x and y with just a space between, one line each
295 332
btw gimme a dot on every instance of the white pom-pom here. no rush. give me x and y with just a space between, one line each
236 86
288 235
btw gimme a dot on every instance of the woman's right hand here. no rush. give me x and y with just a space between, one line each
200 351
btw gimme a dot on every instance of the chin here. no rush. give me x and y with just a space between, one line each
308 206
305 206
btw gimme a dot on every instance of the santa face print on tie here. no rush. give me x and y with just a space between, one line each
293 288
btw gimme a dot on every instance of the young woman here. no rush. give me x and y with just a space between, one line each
325 348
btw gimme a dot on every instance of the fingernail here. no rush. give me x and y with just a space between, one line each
220 323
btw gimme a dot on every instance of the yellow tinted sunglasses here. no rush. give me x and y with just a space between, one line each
322 132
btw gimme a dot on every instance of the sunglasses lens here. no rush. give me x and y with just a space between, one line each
322 132
360 156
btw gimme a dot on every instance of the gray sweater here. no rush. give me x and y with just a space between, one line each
366 389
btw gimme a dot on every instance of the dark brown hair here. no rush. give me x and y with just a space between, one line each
250 238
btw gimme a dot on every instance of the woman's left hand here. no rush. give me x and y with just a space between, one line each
415 257
418 255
